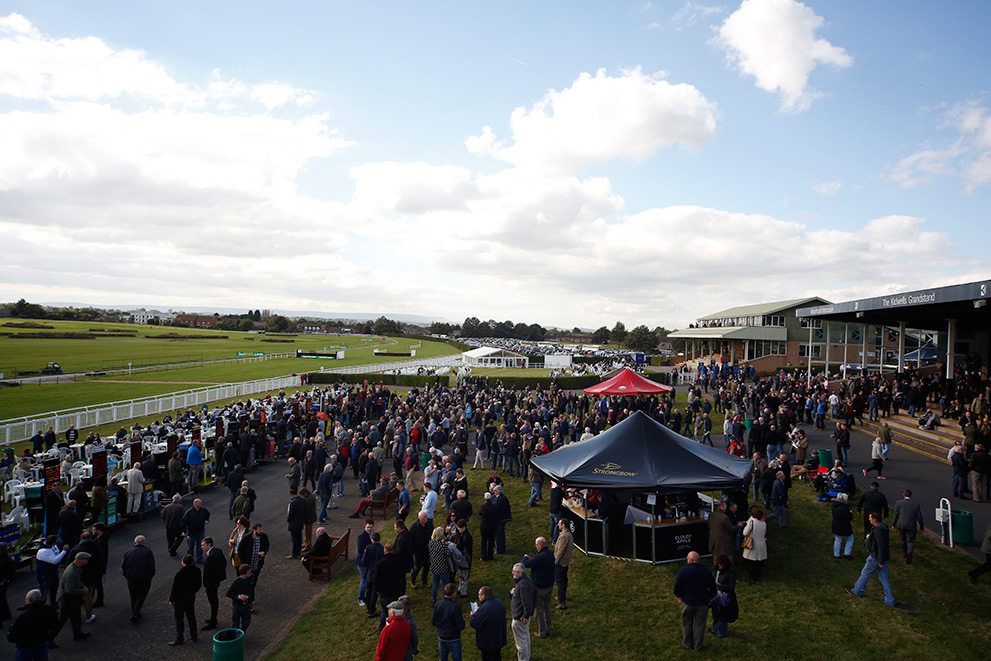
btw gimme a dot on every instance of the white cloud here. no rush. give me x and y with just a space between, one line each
275 95
600 118
691 13
967 157
775 42
828 188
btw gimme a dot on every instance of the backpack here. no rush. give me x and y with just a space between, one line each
337 471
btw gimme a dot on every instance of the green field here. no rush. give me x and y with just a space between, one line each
625 611
104 353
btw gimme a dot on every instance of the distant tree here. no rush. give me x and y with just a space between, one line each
618 333
471 327
521 331
154 321
278 323
439 328
536 332
245 325
385 326
600 336
642 339
576 330
26 310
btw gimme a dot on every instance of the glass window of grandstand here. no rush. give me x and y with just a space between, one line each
763 348
856 335
810 321
892 335
775 320
803 351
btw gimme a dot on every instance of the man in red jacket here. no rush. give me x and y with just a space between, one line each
395 637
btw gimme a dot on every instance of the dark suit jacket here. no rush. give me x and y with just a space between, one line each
186 584
214 568
296 517
489 623
321 547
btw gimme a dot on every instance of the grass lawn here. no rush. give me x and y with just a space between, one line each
623 611
85 355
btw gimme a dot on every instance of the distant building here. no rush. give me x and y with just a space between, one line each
196 320
142 316
494 357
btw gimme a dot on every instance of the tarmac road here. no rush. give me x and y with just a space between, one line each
284 591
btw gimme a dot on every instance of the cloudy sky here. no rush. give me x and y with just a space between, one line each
564 163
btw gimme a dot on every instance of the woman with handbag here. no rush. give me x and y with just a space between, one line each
440 561
755 543
462 539
240 530
724 607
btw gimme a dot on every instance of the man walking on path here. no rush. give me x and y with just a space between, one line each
138 567
185 585
877 560
908 521
694 586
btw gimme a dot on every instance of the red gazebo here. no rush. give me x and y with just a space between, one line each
628 382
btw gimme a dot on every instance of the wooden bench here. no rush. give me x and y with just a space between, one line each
384 505
320 566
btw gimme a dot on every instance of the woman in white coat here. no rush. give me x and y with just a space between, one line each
755 556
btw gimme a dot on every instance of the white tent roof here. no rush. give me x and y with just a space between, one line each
483 352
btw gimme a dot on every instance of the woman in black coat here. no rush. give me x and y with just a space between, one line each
842 527
6 575
729 611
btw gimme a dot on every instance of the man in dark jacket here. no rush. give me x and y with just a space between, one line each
172 517
296 521
252 551
872 500
194 528
185 585
372 555
214 573
450 622
501 502
694 586
33 628
234 479
138 567
420 532
92 570
879 552
521 604
908 521
390 578
541 568
489 623
403 547
488 514
242 596
779 499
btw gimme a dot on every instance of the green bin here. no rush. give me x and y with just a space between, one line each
747 423
825 458
228 645
963 527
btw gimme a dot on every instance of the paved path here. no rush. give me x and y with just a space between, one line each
284 592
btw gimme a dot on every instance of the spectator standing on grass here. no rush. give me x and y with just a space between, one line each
395 636
541 568
872 500
842 527
908 521
877 560
727 610
521 607
779 499
755 553
694 586
489 622
563 548
450 622
390 580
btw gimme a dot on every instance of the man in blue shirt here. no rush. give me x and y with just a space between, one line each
194 459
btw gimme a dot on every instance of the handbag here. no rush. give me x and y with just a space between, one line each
747 542
721 599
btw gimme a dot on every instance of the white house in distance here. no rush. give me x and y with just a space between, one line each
493 357
142 316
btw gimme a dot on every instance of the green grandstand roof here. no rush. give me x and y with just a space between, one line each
761 309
